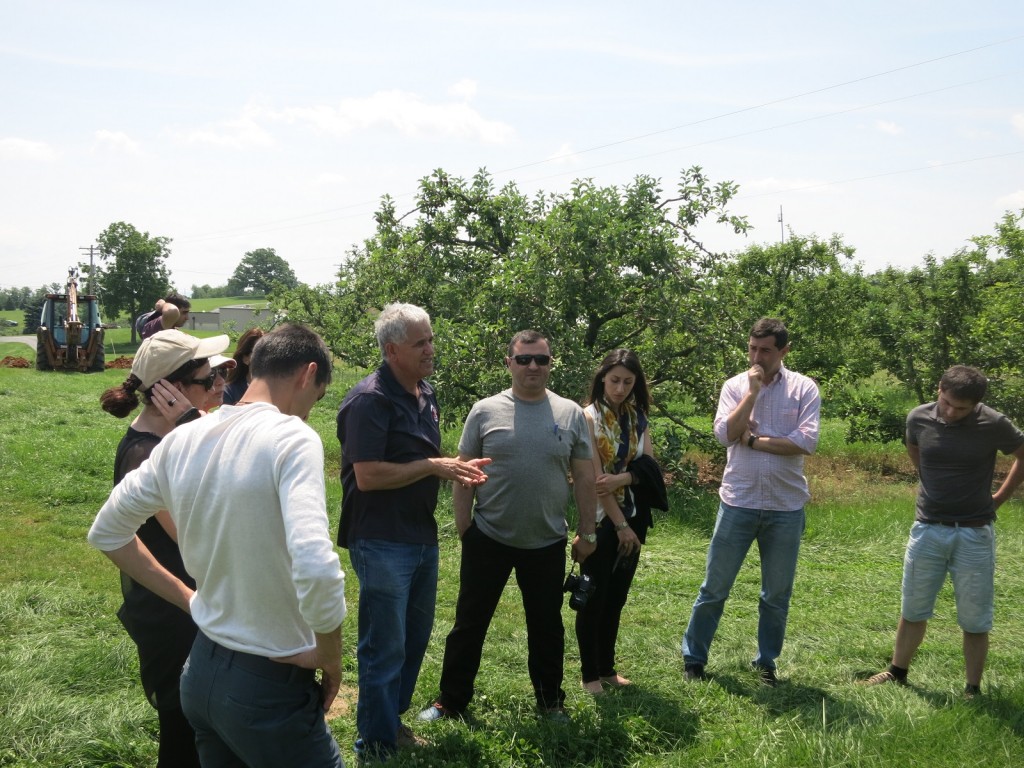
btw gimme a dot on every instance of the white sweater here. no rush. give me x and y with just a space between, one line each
245 488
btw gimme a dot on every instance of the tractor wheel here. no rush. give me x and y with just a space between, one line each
99 362
42 361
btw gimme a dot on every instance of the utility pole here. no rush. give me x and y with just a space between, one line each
91 249
782 228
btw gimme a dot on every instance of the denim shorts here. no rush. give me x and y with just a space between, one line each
968 555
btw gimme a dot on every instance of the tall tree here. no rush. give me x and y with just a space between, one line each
594 268
260 272
814 286
133 274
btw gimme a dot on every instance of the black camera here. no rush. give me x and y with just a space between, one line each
581 587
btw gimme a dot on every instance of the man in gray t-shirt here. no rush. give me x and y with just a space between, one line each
953 444
534 439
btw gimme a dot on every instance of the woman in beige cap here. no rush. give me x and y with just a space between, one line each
172 377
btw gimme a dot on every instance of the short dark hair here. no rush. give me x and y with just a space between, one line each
628 359
771 326
526 337
964 383
178 300
282 351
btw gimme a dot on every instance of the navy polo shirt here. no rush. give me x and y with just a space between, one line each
380 421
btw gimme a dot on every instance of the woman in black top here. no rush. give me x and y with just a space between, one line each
175 382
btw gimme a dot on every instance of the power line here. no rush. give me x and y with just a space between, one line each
762 105
298 221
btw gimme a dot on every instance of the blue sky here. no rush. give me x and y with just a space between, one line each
232 126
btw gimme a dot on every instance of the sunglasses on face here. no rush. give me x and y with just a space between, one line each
540 360
207 382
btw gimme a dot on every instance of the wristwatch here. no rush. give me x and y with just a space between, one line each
751 439
622 526
590 538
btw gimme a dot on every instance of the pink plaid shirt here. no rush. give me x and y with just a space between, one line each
787 407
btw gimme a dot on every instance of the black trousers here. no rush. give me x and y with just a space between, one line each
597 625
484 572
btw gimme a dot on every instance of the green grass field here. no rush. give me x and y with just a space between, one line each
69 694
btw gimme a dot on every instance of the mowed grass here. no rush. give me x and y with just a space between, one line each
69 693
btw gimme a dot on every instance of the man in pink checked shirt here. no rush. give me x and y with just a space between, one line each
768 420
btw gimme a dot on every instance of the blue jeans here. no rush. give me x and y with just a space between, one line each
397 593
249 711
778 541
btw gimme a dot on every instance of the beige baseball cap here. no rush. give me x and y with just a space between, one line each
166 351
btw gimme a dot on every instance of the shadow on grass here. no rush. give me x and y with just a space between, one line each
815 707
1005 707
619 728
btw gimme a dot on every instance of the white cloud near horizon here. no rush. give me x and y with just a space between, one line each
117 141
752 187
887 127
12 148
1013 200
243 132
564 155
465 89
404 112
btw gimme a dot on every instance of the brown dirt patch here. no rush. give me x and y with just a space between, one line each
121 362
344 703
15 362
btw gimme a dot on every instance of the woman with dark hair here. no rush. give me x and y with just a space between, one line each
617 412
238 377
172 372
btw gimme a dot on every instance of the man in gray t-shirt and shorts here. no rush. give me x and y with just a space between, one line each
534 439
952 444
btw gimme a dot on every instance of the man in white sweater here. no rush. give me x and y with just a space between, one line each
245 490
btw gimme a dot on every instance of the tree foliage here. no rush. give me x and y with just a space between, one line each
593 268
260 272
814 286
132 274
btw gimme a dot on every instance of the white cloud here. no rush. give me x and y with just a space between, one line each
1014 200
887 127
404 112
327 179
465 89
23 149
769 184
244 132
117 141
564 155
1018 124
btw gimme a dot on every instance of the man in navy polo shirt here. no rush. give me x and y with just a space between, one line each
391 469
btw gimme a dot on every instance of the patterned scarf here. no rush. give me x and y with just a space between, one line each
617 437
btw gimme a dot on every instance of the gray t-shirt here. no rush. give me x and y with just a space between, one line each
958 461
531 443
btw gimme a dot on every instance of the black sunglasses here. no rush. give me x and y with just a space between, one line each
207 382
527 359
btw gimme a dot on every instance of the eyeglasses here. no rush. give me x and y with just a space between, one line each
222 372
207 382
527 359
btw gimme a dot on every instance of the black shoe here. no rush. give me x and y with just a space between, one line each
694 672
766 675
971 691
